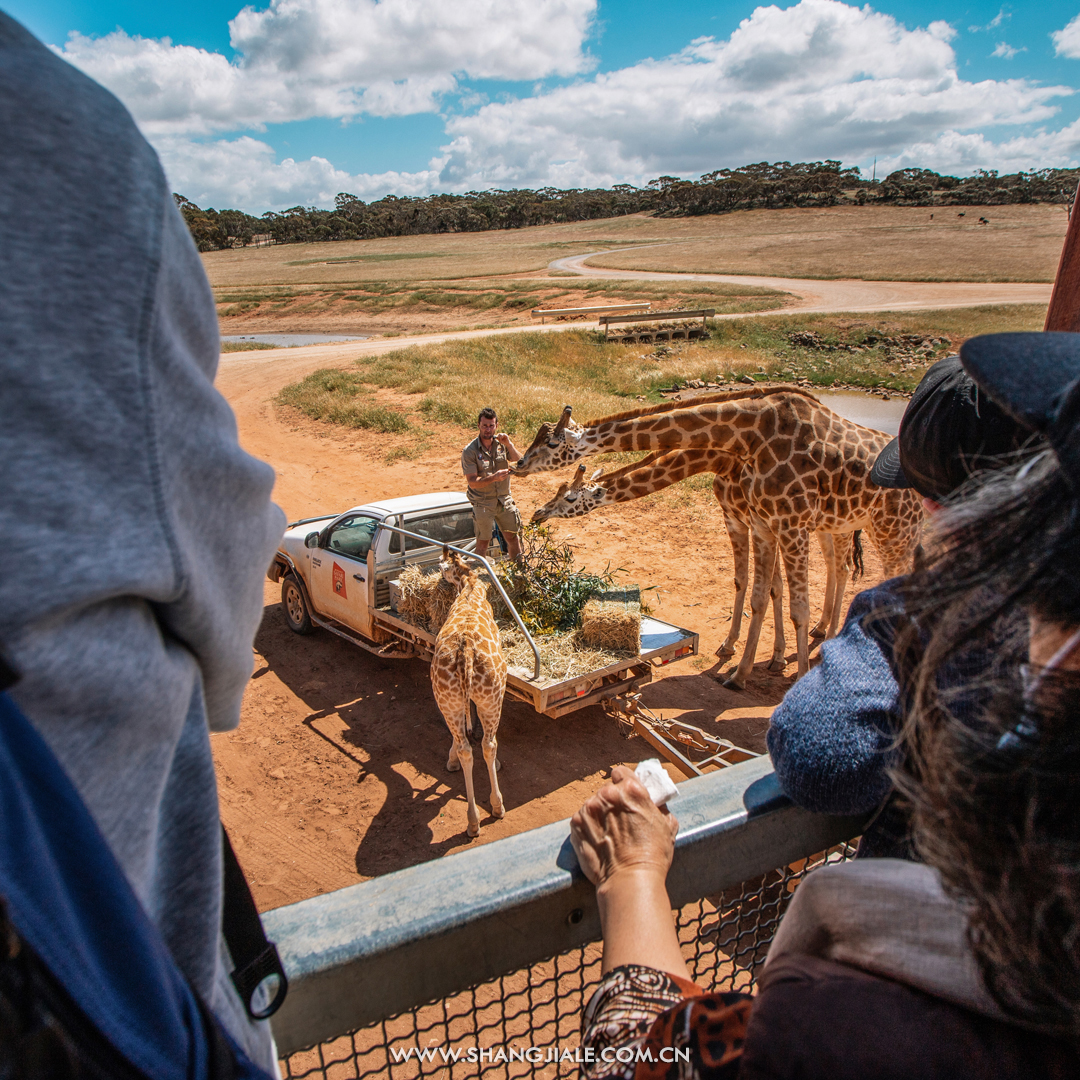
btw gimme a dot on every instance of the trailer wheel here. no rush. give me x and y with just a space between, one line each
295 607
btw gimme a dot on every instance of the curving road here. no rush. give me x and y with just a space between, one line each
812 295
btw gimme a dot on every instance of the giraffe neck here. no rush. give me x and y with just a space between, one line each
719 426
670 468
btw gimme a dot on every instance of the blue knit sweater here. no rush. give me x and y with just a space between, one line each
831 738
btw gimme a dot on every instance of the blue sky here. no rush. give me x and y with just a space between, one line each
291 102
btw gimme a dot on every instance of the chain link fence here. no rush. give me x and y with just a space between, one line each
526 1024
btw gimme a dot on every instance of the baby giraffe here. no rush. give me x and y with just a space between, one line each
469 664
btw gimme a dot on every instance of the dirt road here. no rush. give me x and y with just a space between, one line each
813 296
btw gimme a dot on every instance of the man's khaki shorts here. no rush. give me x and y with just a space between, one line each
506 514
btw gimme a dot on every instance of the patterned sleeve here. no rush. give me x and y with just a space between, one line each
643 1024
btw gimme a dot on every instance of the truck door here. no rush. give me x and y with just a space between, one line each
339 571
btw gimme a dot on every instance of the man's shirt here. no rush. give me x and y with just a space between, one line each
476 461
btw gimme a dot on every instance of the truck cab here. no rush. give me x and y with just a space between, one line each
344 564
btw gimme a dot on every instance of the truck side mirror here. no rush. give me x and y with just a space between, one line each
311 540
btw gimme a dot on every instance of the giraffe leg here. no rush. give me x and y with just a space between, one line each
779 655
843 545
828 550
795 548
465 757
490 714
739 535
764 572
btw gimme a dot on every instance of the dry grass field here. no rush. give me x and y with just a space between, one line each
1021 243
946 243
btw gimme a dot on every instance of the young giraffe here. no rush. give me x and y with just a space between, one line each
657 471
468 665
806 470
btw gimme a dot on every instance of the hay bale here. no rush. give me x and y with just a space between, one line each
440 601
612 620
426 598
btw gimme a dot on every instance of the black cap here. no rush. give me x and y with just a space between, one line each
949 430
1036 379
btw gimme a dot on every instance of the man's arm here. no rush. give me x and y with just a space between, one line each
512 452
830 738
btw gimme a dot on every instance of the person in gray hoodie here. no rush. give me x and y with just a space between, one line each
135 530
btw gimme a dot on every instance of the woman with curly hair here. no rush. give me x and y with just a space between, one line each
968 963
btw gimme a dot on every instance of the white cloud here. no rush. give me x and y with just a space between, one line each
244 173
819 79
963 153
1006 51
1067 40
994 23
335 58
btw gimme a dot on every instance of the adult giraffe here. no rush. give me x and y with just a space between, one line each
658 471
805 469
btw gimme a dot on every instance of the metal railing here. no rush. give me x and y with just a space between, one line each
496 947
429 542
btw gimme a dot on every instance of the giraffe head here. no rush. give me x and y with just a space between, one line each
555 445
572 500
453 568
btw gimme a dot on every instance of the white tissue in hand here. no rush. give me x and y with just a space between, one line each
656 781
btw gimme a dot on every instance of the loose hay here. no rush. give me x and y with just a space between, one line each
562 656
426 598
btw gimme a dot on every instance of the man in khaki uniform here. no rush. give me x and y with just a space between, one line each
486 465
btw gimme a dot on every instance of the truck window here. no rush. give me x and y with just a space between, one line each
444 527
352 536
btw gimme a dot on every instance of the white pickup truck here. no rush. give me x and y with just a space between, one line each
335 573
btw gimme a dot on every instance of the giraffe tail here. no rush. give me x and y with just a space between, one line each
467 655
858 567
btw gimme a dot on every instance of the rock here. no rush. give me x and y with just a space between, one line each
747 379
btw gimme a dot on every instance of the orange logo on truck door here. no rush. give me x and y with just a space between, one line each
339 582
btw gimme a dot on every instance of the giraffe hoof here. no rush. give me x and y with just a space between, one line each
733 682
777 665
474 828
498 810
819 632
453 765
725 651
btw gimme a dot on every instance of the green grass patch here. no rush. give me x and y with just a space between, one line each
343 398
528 377
765 346
246 346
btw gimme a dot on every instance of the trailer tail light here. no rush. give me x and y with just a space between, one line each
684 651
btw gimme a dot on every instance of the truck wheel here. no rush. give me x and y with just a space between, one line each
295 607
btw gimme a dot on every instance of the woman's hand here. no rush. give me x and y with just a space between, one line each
624 845
619 829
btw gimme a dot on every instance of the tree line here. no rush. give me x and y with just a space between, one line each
761 186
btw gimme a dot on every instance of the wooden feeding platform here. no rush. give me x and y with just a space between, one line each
599 309
678 326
